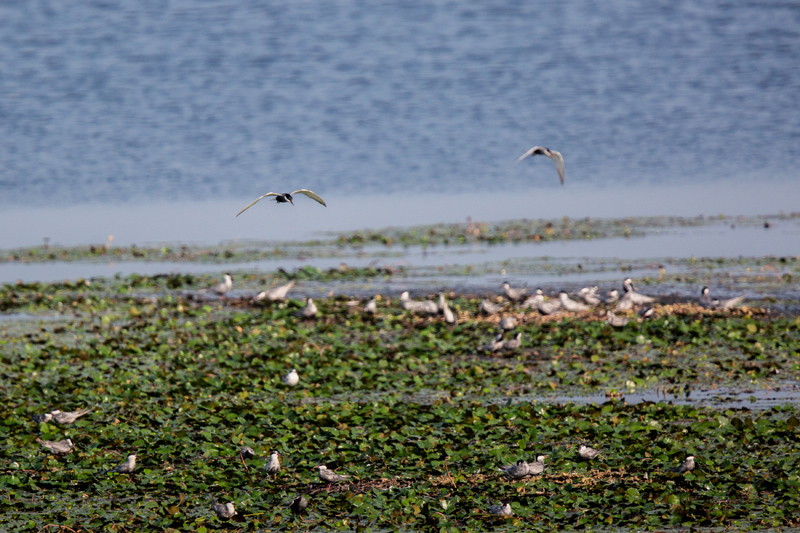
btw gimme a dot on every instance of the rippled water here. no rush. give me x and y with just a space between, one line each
180 100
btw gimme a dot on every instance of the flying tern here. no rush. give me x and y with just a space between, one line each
557 158
283 198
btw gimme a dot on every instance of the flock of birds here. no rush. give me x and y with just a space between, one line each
538 300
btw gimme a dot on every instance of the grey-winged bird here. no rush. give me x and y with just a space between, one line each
274 465
712 303
329 476
225 512
587 453
62 418
310 310
59 447
571 305
616 321
298 504
687 466
517 470
282 198
490 308
513 294
508 323
224 286
125 467
277 293
537 467
589 295
557 158
291 378
513 344
372 307
504 509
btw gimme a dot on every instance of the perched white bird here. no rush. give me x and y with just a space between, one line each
125 467
59 447
274 465
544 307
490 308
63 419
517 470
712 303
570 304
508 323
283 198
504 509
513 294
687 466
537 467
226 512
449 315
291 378
636 298
278 293
589 295
587 453
329 476
372 307
611 297
223 287
557 158
310 310
616 321
427 306
495 345
513 344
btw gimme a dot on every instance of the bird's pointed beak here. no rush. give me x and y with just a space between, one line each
290 201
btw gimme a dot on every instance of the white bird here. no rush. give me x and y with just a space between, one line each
283 198
687 466
125 467
449 315
60 447
490 308
508 323
513 294
517 470
62 419
589 295
372 307
557 158
587 453
274 465
278 293
646 312
544 307
223 287
513 344
426 306
713 303
611 297
570 304
291 378
495 345
226 512
537 467
329 476
504 509
636 297
442 302
616 321
310 310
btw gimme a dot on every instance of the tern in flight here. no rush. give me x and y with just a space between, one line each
284 197
557 158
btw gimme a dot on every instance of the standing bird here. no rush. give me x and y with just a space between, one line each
67 418
545 308
557 158
537 467
589 295
427 306
309 311
495 345
508 323
60 447
449 315
291 378
283 198
125 467
686 466
647 312
587 453
274 465
635 297
278 293
713 303
329 476
225 512
504 509
517 470
513 294
222 288
611 297
489 308
513 344
298 505
571 305
616 321
372 307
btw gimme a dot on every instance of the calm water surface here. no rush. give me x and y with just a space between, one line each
135 102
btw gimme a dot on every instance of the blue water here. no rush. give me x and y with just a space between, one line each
128 102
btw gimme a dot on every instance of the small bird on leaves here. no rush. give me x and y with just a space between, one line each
60 447
274 465
687 466
291 378
225 512
504 509
125 467
299 504
587 453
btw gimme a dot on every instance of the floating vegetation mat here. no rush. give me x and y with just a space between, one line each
414 411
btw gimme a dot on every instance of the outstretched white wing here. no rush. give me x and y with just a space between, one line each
558 159
536 150
251 204
308 193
